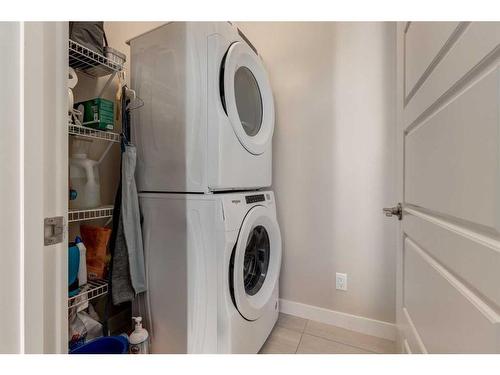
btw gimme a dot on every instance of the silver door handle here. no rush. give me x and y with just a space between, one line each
394 211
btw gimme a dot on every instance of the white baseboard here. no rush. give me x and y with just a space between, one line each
356 323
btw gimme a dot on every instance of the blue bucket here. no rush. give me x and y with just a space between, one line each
104 345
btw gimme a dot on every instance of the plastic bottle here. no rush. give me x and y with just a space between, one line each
84 177
139 339
73 265
82 270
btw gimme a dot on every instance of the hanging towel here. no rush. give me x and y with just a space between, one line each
122 289
131 220
127 271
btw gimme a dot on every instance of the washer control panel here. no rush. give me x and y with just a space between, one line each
255 198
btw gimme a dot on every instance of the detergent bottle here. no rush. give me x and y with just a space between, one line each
84 177
82 270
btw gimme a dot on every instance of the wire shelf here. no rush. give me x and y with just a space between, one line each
93 214
93 289
93 133
93 63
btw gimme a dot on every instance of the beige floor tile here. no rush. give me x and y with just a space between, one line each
317 345
291 322
281 341
360 340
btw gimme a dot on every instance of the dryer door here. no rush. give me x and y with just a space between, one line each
255 263
247 97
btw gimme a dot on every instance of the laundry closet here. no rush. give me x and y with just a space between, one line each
96 137
317 182
203 151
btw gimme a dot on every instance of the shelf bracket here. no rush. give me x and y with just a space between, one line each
108 82
108 147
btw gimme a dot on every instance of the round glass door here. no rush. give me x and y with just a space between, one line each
247 98
255 263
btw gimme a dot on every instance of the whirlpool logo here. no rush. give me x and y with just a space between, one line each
236 201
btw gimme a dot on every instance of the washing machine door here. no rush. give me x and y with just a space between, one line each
247 97
256 262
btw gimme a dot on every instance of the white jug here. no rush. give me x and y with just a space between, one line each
84 178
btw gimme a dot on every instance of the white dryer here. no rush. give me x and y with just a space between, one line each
208 115
212 265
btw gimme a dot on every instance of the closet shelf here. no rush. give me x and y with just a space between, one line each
93 133
90 62
96 213
93 289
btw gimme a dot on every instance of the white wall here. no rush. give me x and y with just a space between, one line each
333 157
364 167
333 161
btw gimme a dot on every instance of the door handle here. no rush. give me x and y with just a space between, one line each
394 211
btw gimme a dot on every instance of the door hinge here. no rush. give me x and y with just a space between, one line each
53 230
394 211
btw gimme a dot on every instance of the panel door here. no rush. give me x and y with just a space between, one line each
448 295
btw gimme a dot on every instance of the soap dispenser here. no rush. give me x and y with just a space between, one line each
139 339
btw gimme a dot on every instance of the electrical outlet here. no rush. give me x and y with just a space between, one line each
341 281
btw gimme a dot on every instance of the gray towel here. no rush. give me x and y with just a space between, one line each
122 290
131 220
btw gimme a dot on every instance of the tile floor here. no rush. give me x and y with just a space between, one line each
293 335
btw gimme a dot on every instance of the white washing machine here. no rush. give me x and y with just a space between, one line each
208 115
212 264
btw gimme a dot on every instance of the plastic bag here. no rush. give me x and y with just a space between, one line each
77 332
88 34
96 241
83 327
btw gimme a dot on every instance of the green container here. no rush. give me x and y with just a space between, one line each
98 113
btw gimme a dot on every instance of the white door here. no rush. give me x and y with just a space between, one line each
247 97
35 179
255 263
10 180
448 297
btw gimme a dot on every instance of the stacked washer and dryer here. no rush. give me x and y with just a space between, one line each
211 239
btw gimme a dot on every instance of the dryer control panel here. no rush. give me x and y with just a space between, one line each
255 198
